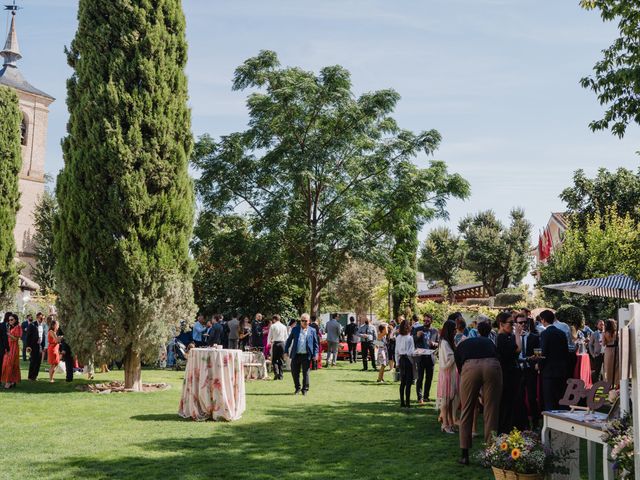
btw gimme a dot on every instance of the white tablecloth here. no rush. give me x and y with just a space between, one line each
213 385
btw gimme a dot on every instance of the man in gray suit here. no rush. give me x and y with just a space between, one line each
596 351
233 325
334 331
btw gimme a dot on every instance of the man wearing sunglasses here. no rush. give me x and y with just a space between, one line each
304 345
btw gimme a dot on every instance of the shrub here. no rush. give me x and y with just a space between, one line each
571 315
509 299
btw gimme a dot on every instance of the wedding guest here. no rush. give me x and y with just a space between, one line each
555 353
480 371
316 362
334 332
461 328
25 327
404 354
11 361
391 343
528 414
447 376
596 351
351 331
4 338
66 355
266 325
508 346
53 348
34 346
367 334
382 355
256 331
216 331
425 337
275 339
611 364
473 329
304 344
234 330
198 330
244 334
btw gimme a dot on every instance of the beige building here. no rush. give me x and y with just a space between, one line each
34 104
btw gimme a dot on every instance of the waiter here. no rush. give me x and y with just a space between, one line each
477 362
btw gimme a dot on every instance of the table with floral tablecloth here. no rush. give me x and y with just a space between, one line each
213 385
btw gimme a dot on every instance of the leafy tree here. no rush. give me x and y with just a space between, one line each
10 164
356 287
320 168
442 257
44 217
498 255
594 196
606 246
123 269
239 271
616 79
571 315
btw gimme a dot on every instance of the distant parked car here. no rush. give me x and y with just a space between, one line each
343 349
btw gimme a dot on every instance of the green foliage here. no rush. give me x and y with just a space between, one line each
10 163
329 173
616 79
442 257
44 217
241 272
126 200
608 245
571 315
356 286
594 196
499 256
506 299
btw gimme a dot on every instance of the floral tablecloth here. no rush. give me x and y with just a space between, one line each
213 385
255 366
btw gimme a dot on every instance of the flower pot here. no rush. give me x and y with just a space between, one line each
509 475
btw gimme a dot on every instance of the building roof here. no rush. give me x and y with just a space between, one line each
10 75
28 284
561 219
437 291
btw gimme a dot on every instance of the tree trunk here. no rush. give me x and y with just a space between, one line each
132 370
315 294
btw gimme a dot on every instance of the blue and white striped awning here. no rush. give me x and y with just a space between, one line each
613 286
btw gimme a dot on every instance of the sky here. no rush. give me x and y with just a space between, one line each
499 79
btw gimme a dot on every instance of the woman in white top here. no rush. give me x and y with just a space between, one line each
447 376
404 360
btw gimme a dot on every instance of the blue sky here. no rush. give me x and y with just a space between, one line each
497 78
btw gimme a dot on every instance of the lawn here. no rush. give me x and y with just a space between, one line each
347 427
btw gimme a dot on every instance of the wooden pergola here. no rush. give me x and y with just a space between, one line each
461 293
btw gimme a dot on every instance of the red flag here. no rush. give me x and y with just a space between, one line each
540 247
549 242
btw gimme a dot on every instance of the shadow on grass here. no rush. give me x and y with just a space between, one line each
160 417
338 441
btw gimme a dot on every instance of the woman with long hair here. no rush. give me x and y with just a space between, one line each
53 348
244 333
447 376
11 361
383 354
404 354
611 364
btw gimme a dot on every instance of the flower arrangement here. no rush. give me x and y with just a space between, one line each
523 453
618 434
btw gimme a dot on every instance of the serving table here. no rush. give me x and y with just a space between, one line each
213 385
564 429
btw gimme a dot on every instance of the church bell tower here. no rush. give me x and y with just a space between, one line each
34 105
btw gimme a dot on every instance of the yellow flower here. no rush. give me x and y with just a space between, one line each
515 453
504 447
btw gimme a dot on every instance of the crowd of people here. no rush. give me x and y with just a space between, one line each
39 341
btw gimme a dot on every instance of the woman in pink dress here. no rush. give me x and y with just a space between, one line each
53 350
266 324
11 361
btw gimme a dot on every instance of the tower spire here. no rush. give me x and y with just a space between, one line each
11 51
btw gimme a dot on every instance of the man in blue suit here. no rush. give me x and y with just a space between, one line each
304 345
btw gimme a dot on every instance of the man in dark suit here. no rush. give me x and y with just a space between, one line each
528 415
555 352
34 346
304 345
25 326
4 338
215 332
351 331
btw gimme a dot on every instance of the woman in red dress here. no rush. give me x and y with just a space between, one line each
11 362
53 350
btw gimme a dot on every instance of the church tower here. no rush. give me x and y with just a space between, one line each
34 104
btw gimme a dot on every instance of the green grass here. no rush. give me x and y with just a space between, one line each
347 427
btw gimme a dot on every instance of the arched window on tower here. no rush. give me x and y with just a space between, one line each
23 130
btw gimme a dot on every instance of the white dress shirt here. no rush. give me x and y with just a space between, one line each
277 333
404 346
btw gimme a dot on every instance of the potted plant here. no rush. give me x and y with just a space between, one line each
618 435
520 456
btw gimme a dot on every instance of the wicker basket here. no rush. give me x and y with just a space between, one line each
509 475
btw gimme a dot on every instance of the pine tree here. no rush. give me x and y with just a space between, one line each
124 275
10 163
44 219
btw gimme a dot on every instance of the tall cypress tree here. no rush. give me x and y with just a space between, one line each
10 163
126 200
